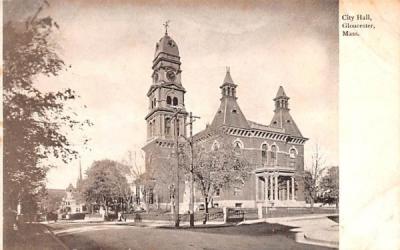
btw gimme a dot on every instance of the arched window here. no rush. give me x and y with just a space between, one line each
237 146
273 152
215 146
175 101
167 126
292 153
264 156
168 100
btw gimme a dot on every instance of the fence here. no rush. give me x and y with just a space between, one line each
295 211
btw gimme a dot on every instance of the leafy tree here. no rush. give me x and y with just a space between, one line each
313 175
220 168
330 186
36 124
106 185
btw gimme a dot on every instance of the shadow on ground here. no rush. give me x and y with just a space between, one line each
257 229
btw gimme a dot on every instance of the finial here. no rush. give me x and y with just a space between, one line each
228 69
166 24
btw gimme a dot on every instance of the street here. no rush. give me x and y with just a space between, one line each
111 236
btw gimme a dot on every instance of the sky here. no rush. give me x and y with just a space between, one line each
110 47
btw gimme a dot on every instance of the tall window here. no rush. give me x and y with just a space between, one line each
292 160
154 102
169 100
175 101
167 126
264 156
273 152
215 146
292 153
237 147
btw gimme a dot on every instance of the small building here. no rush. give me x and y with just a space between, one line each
73 201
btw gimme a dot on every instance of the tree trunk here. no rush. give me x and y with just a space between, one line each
206 214
312 204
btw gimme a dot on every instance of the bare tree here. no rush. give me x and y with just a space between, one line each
313 175
217 169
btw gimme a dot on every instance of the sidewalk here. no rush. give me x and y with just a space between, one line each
33 236
311 229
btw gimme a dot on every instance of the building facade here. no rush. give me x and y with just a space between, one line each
275 151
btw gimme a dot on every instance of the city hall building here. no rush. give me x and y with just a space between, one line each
275 150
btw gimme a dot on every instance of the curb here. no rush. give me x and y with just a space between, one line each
46 229
333 243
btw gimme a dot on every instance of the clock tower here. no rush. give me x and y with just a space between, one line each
166 116
166 94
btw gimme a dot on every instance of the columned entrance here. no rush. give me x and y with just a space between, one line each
275 186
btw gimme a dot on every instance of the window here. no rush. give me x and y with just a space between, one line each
168 100
167 126
234 111
238 205
154 102
237 191
77 210
217 192
273 152
264 156
292 153
175 101
237 147
215 146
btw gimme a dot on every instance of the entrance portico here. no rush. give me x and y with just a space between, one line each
277 187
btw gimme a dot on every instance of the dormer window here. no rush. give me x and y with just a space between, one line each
175 101
171 43
234 111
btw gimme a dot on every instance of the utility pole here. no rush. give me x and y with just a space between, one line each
191 203
176 210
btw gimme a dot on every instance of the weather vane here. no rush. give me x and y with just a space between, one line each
166 24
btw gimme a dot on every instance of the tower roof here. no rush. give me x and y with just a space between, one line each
166 45
228 78
282 118
229 112
280 93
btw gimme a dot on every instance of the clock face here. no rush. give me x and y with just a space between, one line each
171 75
